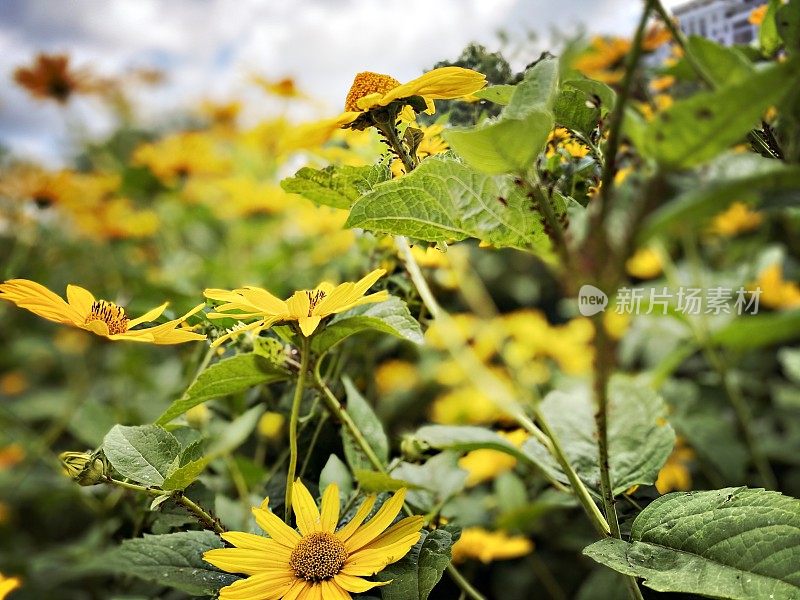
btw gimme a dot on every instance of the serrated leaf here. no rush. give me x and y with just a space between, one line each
504 146
536 92
437 480
370 426
639 440
375 481
229 376
174 560
391 316
694 130
415 576
336 186
756 331
595 90
735 543
183 476
444 200
576 110
142 453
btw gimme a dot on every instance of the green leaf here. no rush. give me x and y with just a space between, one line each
499 94
336 186
735 543
639 440
235 433
464 438
536 92
694 130
504 146
724 65
415 576
391 316
594 90
437 480
370 426
226 377
787 20
143 453
375 481
756 331
174 560
182 477
575 109
335 471
790 362
737 176
444 200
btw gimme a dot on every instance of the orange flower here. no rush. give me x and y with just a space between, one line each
51 77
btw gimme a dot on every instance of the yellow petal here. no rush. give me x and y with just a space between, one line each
264 586
251 541
150 315
330 508
80 299
100 328
305 509
40 301
275 528
366 507
382 519
439 84
298 305
312 592
264 301
398 533
356 584
297 590
308 324
333 591
249 562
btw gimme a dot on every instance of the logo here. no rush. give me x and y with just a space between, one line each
591 300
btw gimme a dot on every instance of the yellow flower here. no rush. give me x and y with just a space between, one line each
374 90
464 405
98 316
675 474
395 376
175 157
644 264
776 292
319 561
488 546
270 425
284 88
307 307
561 137
486 464
757 15
737 219
603 59
8 585
659 84
31 183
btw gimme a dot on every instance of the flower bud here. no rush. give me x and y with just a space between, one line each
413 448
84 468
270 425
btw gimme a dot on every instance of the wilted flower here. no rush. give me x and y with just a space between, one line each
51 77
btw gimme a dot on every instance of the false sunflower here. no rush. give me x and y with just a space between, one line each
101 317
8 585
319 561
50 76
307 307
371 91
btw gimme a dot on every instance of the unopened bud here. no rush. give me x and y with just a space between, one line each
84 468
270 425
413 448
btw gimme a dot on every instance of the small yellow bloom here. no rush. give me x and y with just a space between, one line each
485 464
320 562
283 88
603 59
98 316
307 307
11 455
738 218
463 406
270 425
374 90
757 15
176 157
644 264
675 474
8 585
395 376
776 292
198 416
659 84
561 137
489 546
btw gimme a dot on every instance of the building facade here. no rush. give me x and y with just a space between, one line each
724 21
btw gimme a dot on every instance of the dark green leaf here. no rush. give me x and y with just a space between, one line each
144 453
337 186
370 426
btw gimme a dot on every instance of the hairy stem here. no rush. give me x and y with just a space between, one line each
295 414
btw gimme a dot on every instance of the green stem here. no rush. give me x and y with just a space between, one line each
205 518
683 44
461 581
295 414
557 235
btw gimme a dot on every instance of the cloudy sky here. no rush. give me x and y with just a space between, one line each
209 48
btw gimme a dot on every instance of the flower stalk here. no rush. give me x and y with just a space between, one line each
293 419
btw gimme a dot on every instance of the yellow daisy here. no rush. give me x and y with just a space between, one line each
374 90
307 307
98 316
319 561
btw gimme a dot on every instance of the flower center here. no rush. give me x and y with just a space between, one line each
318 556
314 298
367 83
110 314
